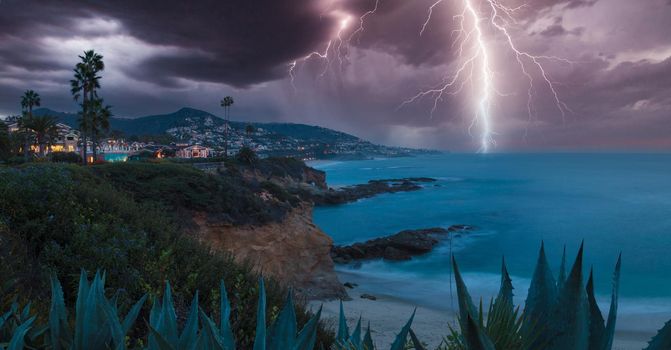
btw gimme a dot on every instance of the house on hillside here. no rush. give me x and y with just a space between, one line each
195 151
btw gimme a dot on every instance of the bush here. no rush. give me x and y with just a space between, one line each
246 156
66 157
64 218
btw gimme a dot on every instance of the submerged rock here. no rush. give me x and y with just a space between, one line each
368 296
398 247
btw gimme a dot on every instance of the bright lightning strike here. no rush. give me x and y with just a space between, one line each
331 48
475 65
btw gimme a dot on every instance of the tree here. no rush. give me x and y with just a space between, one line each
247 155
44 128
249 130
98 122
5 141
86 81
29 100
227 102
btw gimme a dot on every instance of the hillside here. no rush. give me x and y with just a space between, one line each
193 126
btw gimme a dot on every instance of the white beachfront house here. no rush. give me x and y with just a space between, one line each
194 151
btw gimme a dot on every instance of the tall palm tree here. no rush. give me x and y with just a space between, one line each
99 122
86 81
227 102
45 131
29 100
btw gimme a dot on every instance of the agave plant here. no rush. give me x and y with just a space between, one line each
354 341
559 314
283 334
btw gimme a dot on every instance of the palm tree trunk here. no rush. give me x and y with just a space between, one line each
94 146
26 135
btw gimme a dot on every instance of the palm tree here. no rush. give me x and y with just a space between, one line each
45 131
86 81
99 121
249 129
226 103
29 100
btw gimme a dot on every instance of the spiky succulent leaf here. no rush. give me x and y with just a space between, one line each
58 317
307 337
355 339
80 307
505 297
597 328
189 336
562 271
415 341
662 340
368 339
401 338
571 316
343 332
466 306
260 338
160 342
541 299
209 338
225 331
18 338
612 312
474 337
167 324
282 334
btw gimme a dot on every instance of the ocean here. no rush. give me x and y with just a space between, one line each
615 203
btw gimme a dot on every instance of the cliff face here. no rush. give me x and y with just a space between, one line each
294 251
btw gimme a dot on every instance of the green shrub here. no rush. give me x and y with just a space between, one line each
62 218
66 157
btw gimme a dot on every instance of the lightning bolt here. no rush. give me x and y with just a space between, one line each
475 67
333 46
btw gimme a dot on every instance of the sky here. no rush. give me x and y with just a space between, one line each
600 78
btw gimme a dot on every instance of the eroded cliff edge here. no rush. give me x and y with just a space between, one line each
294 251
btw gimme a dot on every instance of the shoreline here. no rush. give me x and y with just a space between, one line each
387 314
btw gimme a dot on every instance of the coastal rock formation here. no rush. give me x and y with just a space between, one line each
294 251
400 246
372 188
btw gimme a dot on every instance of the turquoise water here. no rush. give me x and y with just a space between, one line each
614 202
116 157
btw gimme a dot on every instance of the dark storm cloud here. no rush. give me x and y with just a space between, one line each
163 55
214 40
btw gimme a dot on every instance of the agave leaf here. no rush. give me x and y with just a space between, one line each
662 340
282 334
189 336
368 340
399 342
25 313
612 312
260 338
596 325
167 325
505 297
415 341
355 338
225 332
154 319
541 300
58 317
17 341
562 271
161 342
80 310
343 331
571 317
209 337
466 306
475 337
308 335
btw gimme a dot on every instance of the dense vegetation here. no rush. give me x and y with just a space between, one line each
126 220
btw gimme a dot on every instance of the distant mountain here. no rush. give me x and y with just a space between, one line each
194 126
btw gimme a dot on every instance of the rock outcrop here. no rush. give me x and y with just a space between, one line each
370 189
401 246
294 251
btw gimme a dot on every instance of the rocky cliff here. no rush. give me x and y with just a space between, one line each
294 251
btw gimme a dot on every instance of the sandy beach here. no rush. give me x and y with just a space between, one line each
388 314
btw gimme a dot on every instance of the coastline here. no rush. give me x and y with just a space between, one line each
387 314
